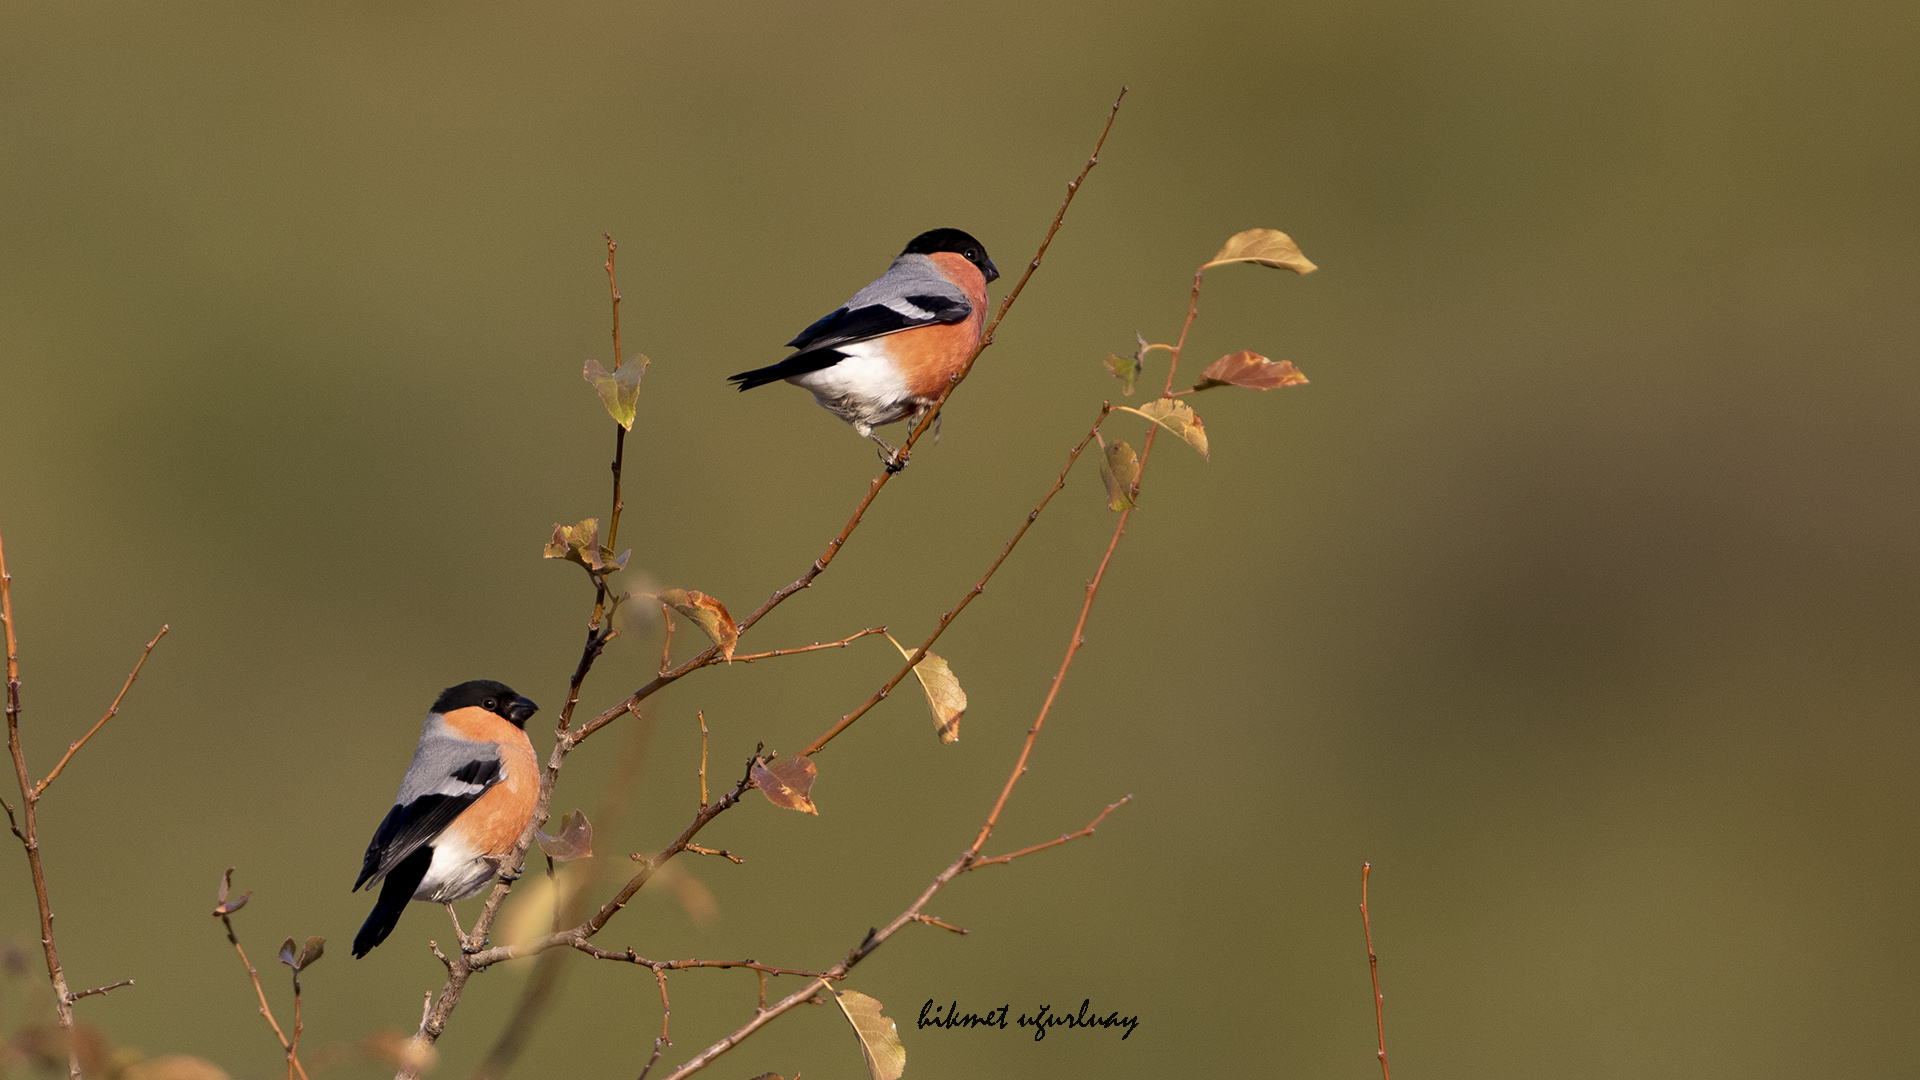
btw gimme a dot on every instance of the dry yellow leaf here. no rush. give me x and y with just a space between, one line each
1268 247
787 784
944 696
1251 370
1119 470
581 544
879 1038
708 614
1174 415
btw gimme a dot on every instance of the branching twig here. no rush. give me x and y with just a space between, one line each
666 1016
103 989
946 618
460 968
27 826
749 658
112 711
224 912
1084 831
1373 964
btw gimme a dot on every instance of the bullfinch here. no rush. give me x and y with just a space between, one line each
886 354
462 806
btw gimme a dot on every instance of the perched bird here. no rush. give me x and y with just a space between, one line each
886 354
462 806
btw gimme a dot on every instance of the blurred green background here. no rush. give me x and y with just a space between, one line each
1577 592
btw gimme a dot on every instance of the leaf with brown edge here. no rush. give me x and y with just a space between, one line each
708 614
944 697
580 544
879 1038
1119 470
1268 247
786 784
1251 370
1176 416
619 389
575 839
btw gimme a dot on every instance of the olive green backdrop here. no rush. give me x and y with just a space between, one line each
1576 592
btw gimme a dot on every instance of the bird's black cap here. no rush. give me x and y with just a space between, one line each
957 241
497 698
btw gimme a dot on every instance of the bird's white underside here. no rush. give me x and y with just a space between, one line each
455 873
867 389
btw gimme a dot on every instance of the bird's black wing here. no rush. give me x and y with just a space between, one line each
415 821
818 344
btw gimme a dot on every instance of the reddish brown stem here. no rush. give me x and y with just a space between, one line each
1373 963
112 711
946 619
1084 831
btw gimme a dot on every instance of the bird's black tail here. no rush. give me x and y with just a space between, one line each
394 894
797 364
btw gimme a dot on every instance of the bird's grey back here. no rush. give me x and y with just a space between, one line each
910 275
441 753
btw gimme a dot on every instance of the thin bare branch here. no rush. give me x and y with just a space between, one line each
666 1016
112 711
30 834
103 989
224 912
947 617
815 647
1084 831
942 924
1373 963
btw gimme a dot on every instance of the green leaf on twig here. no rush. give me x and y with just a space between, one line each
1119 470
619 389
1175 416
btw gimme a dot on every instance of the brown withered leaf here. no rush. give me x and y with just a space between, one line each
574 841
225 907
290 953
945 699
1119 470
1251 370
786 784
314 949
1268 247
879 1038
619 389
174 1067
580 544
708 614
1174 415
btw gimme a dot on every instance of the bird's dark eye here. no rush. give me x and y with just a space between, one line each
972 255
490 705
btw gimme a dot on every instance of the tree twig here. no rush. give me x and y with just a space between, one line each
1084 831
112 711
224 912
666 1015
1373 964
947 617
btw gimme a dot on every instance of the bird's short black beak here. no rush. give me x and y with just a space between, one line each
521 710
992 271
